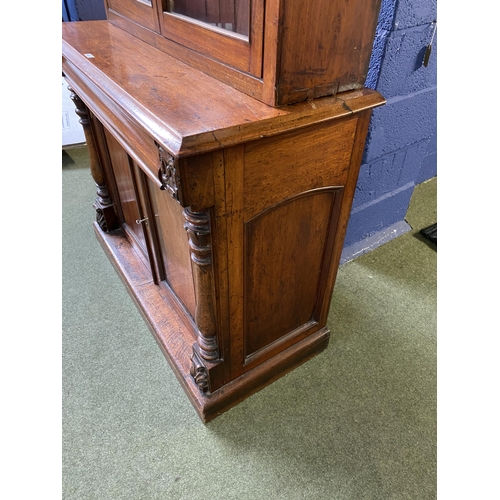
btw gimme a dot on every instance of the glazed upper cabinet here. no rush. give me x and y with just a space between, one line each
277 51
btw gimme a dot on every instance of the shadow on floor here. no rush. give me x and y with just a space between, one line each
76 157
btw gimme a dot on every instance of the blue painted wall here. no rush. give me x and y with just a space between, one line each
400 150
83 10
69 11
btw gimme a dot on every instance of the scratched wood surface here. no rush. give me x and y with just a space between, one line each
186 110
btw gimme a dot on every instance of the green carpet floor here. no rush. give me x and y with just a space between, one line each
357 422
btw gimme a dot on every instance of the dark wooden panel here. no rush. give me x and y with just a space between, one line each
126 190
174 246
146 222
284 248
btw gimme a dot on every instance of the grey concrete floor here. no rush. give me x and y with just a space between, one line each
356 422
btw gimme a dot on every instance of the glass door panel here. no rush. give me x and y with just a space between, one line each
227 31
230 15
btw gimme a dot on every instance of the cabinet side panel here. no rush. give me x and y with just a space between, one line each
284 248
326 48
175 247
278 168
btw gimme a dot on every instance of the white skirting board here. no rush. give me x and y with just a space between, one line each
72 130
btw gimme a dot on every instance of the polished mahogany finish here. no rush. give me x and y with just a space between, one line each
225 217
282 51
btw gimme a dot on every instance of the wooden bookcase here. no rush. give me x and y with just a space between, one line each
289 50
223 213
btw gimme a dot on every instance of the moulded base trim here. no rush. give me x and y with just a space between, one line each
176 338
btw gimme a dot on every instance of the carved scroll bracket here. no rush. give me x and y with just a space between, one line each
207 375
105 212
199 373
168 173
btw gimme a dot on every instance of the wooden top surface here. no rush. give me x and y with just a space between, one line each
186 110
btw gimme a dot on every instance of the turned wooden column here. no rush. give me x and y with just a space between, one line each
205 350
105 212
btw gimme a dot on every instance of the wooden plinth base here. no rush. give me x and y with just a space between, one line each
176 339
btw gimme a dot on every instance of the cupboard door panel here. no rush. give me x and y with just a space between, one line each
287 250
121 165
174 245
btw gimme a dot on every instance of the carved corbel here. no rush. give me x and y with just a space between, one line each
199 373
105 212
168 173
